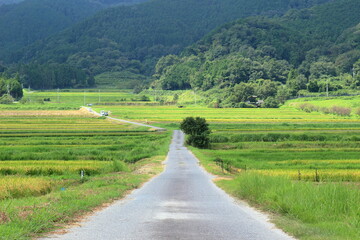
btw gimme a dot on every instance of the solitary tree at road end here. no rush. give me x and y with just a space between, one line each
198 131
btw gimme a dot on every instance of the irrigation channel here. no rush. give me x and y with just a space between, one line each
181 203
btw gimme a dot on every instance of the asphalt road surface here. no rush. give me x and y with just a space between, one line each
181 203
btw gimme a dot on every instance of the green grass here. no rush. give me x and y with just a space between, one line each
268 151
304 170
346 101
24 218
325 211
67 99
289 148
120 80
171 116
43 154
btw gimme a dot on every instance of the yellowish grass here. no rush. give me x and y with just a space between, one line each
81 112
14 187
309 174
48 167
349 161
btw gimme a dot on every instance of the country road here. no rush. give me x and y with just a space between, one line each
126 121
181 203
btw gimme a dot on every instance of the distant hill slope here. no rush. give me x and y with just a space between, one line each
24 23
133 38
2 2
305 49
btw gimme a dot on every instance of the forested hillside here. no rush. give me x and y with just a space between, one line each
134 38
2 2
310 49
24 23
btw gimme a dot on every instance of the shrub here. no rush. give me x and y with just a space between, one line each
194 126
218 139
120 166
325 110
307 107
271 102
199 141
357 111
6 99
198 131
342 111
25 101
144 98
244 105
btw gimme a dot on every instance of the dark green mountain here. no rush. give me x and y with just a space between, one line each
24 23
2 2
133 38
303 50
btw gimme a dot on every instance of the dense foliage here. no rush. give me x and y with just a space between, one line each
2 2
198 131
50 76
31 20
313 49
133 38
10 89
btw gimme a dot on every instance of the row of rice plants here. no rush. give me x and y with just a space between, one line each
175 114
134 148
65 99
68 161
322 175
48 168
19 186
332 151
286 126
346 135
62 124
51 147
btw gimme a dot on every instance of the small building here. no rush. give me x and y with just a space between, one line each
254 101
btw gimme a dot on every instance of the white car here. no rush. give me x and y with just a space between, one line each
103 113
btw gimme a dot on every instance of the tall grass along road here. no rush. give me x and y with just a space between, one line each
181 203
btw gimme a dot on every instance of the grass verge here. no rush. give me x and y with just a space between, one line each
25 218
304 209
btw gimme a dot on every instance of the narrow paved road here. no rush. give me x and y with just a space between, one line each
181 203
126 121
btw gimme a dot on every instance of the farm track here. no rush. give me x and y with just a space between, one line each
181 203
126 121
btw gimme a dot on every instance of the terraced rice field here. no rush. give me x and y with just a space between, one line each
316 151
41 147
273 141
77 122
72 99
44 151
173 114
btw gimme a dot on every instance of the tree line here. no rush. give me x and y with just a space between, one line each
10 90
301 52
133 38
